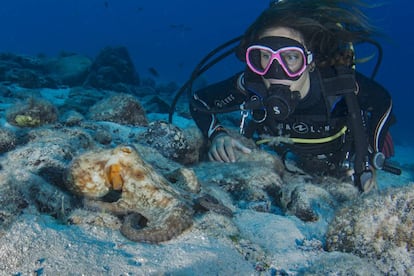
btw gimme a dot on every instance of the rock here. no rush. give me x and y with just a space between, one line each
196 142
261 229
32 113
341 190
23 61
156 159
123 109
69 70
26 71
12 201
378 227
49 199
156 105
32 174
170 141
47 152
29 78
103 136
337 263
112 69
17 93
8 140
250 180
5 91
48 161
306 201
72 118
74 139
80 99
87 217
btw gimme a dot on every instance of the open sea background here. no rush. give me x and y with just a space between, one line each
173 36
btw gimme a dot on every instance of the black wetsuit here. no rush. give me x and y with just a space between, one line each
320 114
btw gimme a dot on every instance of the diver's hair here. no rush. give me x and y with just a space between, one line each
327 27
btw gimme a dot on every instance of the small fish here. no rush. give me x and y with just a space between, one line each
176 26
106 4
153 72
180 27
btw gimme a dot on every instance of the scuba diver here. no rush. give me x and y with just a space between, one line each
301 94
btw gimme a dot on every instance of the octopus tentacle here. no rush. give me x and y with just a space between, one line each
209 203
97 205
173 225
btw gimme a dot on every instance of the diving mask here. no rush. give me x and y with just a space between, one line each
292 58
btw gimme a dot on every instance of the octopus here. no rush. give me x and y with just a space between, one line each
153 209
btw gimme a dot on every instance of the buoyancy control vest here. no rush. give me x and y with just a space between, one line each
330 128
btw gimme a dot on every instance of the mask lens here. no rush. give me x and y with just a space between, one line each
259 59
291 59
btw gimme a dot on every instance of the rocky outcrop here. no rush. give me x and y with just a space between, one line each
112 69
123 109
170 141
32 113
378 227
69 69
8 140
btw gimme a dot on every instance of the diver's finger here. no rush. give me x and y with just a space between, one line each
212 157
223 151
228 146
213 154
217 152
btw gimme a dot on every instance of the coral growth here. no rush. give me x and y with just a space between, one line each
32 113
378 227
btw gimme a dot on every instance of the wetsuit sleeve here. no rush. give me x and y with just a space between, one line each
218 96
376 102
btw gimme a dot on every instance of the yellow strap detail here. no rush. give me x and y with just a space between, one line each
307 141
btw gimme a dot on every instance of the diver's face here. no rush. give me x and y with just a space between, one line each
303 83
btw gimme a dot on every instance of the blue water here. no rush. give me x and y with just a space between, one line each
172 36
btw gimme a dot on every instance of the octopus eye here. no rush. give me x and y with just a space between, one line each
126 149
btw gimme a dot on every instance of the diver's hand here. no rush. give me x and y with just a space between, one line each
368 181
223 146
